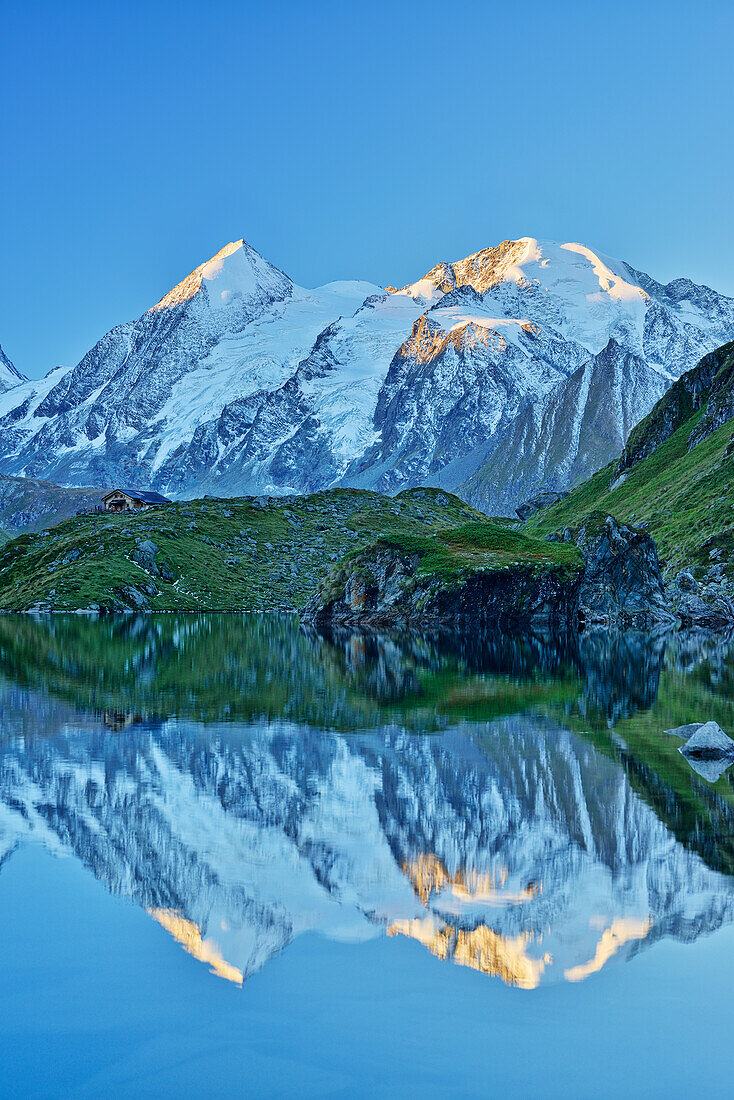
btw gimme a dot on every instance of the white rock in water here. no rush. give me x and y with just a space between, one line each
709 740
684 732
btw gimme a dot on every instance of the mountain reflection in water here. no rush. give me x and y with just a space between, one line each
511 803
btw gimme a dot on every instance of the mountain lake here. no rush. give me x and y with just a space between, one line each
239 858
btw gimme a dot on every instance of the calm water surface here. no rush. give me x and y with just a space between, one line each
237 858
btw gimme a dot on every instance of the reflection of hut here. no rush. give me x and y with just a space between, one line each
131 500
118 720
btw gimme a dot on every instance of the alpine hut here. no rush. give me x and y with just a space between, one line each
131 500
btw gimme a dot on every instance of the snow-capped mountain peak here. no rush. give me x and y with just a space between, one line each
236 271
610 282
572 271
239 381
10 376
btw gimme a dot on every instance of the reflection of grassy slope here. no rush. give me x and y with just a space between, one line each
222 554
206 668
243 668
699 814
213 666
487 698
685 497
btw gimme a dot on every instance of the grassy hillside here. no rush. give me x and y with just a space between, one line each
429 577
676 477
211 554
683 490
709 387
458 550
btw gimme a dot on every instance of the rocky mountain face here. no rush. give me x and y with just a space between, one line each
9 376
708 387
515 847
29 504
521 368
673 478
569 433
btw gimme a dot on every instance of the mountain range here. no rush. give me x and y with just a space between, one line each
522 367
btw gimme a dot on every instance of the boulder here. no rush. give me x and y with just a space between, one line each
697 605
684 732
135 597
709 741
146 555
686 582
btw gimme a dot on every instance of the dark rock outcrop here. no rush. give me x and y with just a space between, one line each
622 583
619 585
382 587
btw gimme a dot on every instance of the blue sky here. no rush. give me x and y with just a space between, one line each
346 140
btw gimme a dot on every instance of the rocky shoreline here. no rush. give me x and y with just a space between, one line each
618 583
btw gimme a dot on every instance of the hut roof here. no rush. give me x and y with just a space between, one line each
140 494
